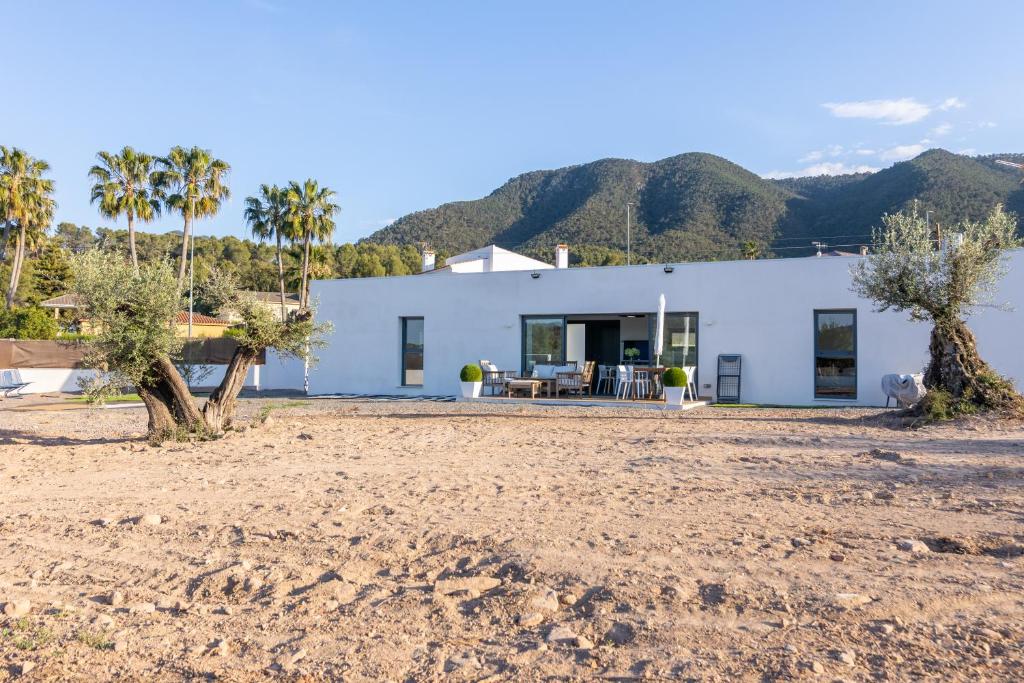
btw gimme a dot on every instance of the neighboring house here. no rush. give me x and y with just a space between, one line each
202 325
804 337
65 308
272 300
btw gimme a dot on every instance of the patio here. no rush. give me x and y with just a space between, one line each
599 358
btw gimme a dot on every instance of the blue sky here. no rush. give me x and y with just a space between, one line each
404 106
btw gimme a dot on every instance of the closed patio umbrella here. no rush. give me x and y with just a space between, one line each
659 331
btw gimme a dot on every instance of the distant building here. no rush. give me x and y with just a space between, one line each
202 325
272 300
66 305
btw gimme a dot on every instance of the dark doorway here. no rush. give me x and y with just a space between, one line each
602 340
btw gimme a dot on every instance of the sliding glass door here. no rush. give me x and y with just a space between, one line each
543 341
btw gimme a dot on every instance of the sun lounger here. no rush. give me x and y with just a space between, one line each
11 382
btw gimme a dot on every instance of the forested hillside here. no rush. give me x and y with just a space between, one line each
699 206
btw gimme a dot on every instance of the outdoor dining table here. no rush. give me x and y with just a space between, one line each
655 371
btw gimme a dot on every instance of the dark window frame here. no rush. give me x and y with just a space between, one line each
402 321
522 337
854 355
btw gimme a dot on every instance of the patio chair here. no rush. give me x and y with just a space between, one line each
691 386
576 382
11 383
605 379
495 378
623 380
642 383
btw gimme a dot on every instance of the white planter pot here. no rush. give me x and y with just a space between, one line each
674 395
471 389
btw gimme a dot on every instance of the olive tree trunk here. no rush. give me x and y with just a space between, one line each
220 407
956 367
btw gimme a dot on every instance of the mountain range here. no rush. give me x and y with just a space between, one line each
698 206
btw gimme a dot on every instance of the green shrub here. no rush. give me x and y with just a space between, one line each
27 323
674 377
471 373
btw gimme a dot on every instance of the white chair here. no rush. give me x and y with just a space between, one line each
691 386
605 378
641 383
623 380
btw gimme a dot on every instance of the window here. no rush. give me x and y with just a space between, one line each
543 342
412 352
679 347
835 354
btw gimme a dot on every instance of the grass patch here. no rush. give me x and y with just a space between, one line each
26 637
265 411
93 639
122 398
776 405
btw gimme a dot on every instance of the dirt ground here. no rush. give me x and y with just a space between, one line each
424 541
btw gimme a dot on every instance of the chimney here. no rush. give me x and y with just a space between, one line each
562 256
863 250
428 260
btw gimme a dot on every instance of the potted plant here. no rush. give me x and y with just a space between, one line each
631 353
674 381
472 379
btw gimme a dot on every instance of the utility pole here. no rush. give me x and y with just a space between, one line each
628 248
191 261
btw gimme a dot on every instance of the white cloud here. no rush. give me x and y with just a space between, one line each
811 156
942 129
894 112
864 152
952 103
825 168
902 152
986 124
969 151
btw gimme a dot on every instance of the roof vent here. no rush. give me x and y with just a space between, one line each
428 261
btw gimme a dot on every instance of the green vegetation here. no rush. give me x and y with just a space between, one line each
471 373
942 282
95 639
702 207
26 636
113 398
674 377
27 323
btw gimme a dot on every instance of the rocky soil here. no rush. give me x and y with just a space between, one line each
421 541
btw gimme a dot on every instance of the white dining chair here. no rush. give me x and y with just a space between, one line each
691 386
641 383
623 380
605 378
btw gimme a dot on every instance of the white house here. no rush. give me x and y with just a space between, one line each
804 337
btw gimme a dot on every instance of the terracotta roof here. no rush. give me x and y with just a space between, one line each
199 319
69 300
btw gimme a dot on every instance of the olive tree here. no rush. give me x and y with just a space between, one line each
943 283
132 315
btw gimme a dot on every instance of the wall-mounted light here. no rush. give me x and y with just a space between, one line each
535 275
669 269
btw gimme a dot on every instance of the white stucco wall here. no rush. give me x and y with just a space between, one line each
761 309
50 380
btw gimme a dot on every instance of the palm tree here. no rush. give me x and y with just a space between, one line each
34 218
751 250
124 186
18 171
311 212
195 181
267 215
25 200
